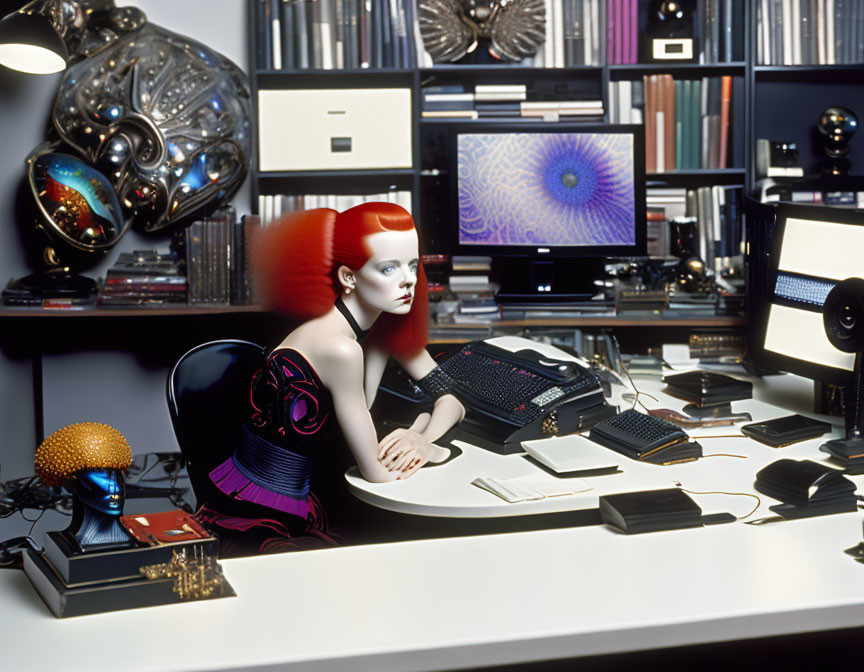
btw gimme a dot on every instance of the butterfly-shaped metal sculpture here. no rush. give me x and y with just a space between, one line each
453 28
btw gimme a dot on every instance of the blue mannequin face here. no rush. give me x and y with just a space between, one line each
102 490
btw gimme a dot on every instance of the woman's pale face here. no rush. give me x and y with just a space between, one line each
387 281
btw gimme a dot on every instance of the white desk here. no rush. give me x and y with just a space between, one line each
444 604
446 490
471 601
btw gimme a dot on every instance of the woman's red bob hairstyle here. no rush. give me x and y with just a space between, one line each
295 262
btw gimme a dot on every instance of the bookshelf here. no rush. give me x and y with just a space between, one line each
427 180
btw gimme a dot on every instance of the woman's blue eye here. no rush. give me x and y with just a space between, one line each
387 270
414 268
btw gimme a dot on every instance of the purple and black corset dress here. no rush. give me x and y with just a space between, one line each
289 418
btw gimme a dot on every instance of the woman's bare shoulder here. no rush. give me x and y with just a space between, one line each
334 356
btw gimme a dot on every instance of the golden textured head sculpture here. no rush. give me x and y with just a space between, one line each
84 445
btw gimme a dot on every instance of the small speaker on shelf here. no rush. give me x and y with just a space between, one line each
670 32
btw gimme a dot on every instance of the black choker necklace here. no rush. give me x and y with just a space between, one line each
342 308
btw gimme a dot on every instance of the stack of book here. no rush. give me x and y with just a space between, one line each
470 284
717 209
217 263
142 279
799 194
687 122
505 101
810 32
437 267
272 206
337 35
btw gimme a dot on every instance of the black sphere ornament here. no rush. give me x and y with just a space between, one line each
837 125
670 11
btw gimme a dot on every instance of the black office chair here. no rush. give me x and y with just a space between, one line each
208 398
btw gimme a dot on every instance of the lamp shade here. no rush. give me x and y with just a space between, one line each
29 43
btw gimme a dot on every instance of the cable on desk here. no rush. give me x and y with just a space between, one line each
722 436
636 390
721 492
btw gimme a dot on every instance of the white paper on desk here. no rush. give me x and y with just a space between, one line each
678 355
528 488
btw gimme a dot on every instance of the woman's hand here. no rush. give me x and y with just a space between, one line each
406 450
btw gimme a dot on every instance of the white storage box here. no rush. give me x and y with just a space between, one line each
334 129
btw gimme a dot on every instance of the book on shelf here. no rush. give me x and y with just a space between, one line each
718 213
337 34
687 122
507 100
355 34
472 263
272 206
216 256
809 32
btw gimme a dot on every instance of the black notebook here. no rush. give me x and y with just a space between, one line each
650 511
706 388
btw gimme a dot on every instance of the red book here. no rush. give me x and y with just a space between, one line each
725 102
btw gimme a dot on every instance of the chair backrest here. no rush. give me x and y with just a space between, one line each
208 399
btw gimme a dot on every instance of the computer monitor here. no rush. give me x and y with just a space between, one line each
813 249
533 195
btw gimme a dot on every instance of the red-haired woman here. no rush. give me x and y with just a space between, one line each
354 281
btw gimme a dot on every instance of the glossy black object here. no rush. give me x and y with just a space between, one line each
779 432
650 511
806 488
707 388
837 126
208 398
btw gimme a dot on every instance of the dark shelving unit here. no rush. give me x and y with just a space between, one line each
428 133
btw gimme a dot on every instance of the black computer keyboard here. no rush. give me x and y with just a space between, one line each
645 437
517 388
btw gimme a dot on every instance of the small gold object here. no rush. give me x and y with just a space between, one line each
84 445
550 424
196 577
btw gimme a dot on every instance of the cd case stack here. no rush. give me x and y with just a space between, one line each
144 279
217 260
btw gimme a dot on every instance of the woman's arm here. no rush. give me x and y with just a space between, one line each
448 410
341 372
375 363
406 450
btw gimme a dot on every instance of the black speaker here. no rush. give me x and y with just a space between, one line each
670 32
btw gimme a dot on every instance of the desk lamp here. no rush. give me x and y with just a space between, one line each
148 128
843 318
29 43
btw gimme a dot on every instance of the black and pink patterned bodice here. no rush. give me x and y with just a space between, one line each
280 444
289 405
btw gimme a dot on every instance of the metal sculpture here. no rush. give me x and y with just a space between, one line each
450 29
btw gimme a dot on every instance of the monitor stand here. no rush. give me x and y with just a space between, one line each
850 451
552 281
